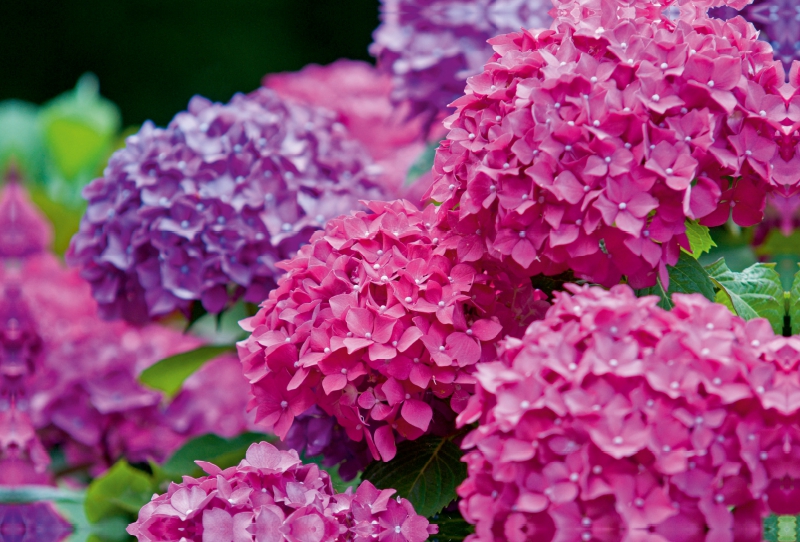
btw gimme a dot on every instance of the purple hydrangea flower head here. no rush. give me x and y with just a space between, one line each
612 415
430 47
202 210
271 496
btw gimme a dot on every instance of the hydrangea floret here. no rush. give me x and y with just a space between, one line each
378 325
589 145
614 413
201 211
271 496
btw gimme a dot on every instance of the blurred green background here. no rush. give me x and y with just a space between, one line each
151 56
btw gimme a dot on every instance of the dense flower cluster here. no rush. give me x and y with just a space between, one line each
272 497
587 147
430 47
613 412
202 210
68 379
360 96
378 325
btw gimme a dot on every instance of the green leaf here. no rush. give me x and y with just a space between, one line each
169 374
753 293
794 304
423 164
452 527
686 277
699 238
123 490
221 451
425 471
21 139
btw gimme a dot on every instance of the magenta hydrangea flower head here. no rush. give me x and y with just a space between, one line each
381 327
359 94
612 412
271 496
588 146
200 212
430 47
23 230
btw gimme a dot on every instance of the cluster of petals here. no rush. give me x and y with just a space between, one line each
588 146
778 22
201 211
377 324
430 47
613 415
68 379
271 496
360 95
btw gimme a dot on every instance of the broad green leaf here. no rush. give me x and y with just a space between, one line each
686 277
169 374
777 244
755 292
794 304
121 491
452 527
222 452
425 471
79 127
699 238
423 164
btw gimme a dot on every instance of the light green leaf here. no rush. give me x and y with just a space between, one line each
21 139
169 374
753 293
425 471
686 277
700 239
794 304
222 452
423 164
121 491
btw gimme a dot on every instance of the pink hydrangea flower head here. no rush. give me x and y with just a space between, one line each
430 47
380 326
617 412
586 147
359 94
271 496
213 201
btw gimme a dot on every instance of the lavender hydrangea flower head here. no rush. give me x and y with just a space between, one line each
432 46
203 209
